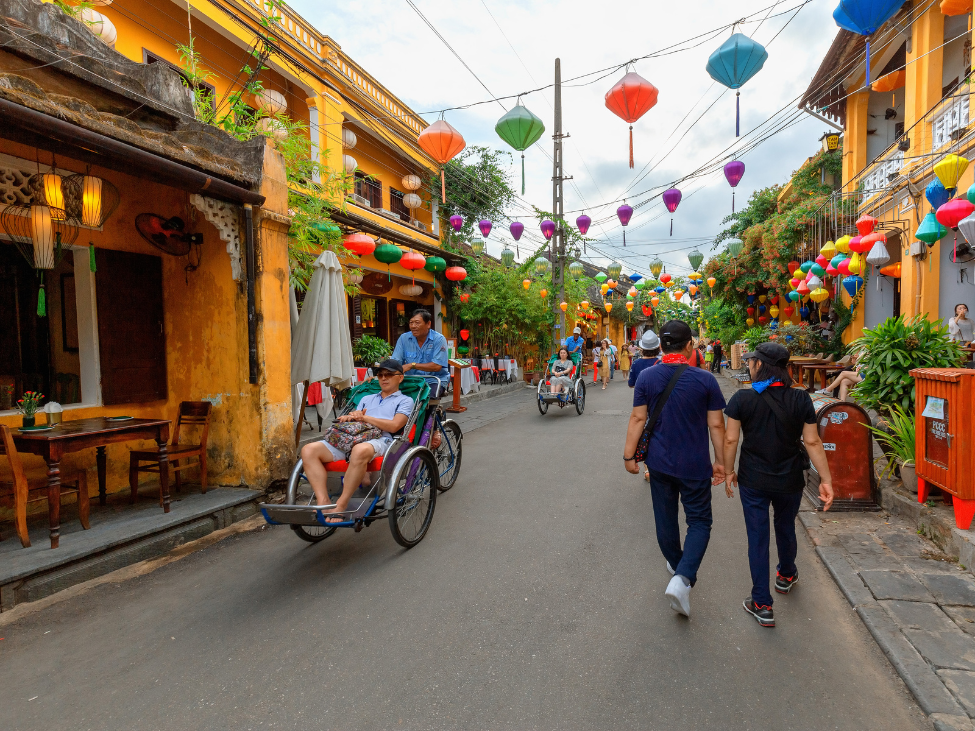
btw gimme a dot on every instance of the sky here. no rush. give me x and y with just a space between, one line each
511 46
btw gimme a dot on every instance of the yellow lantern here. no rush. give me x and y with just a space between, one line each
949 170
669 283
526 283
655 301
584 304
711 282
603 288
828 250
843 244
54 194
563 306
629 307
856 264
773 311
608 306
762 298
543 293
750 321
819 294
42 233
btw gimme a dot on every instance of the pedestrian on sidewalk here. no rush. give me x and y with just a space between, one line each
605 358
685 405
612 358
596 355
773 416
649 351
697 356
625 361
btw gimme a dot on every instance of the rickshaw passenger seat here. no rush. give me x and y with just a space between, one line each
342 465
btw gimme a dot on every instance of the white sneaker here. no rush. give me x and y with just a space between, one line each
680 596
670 569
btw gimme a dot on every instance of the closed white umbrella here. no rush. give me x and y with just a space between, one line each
322 346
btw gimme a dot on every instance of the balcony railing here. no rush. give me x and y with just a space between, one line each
883 172
950 118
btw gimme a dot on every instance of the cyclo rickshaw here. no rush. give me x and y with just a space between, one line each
576 394
410 475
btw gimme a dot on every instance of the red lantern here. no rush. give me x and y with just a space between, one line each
456 274
763 319
359 244
775 299
750 311
647 311
464 334
411 260
953 212
465 298
822 261
866 225
441 142
788 310
631 98
793 265
665 278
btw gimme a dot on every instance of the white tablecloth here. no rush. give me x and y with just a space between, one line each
467 381
510 366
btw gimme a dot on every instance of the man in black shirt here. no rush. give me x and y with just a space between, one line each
770 470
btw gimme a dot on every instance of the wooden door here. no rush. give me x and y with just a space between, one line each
131 333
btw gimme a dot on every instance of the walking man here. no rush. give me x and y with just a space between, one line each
678 460
772 415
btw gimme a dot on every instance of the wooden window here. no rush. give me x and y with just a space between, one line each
396 204
131 339
371 190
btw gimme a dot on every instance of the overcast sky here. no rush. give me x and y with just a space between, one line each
390 40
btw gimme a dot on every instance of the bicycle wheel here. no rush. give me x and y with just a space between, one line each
580 396
304 495
449 454
414 497
542 407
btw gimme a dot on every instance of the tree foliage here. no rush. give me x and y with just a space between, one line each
478 187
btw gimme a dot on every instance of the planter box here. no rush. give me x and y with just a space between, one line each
909 477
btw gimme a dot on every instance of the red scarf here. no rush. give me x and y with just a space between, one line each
671 358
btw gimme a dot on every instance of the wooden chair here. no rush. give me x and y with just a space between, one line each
24 484
191 414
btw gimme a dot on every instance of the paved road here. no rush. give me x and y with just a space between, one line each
536 602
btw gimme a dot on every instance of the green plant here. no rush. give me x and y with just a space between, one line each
800 339
369 349
898 439
29 404
890 351
755 336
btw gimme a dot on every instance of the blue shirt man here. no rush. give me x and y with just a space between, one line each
575 343
423 351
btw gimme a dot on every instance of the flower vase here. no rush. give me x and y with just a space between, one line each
29 420
909 476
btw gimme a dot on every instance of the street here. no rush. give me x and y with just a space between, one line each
535 602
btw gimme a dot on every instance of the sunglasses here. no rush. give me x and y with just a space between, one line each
386 374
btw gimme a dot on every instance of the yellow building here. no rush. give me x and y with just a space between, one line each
915 112
355 126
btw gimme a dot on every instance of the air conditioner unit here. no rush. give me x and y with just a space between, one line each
388 213
360 201
419 225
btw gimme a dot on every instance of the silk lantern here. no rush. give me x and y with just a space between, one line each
629 99
457 222
485 227
866 224
629 307
614 270
671 199
576 269
435 264
655 301
696 258
543 293
711 282
818 295
936 194
666 279
412 261
864 17
852 284
855 243
624 213
949 170
465 298
930 230
656 266
521 129
733 173
359 244
843 244
388 254
456 274
603 288
749 321
548 229
608 306
583 223
734 62
507 257
442 143
828 250
956 7
601 277
951 214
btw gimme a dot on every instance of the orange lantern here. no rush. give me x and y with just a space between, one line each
611 283
543 293
629 307
441 142
584 304
526 283
608 306
359 244
455 274
692 288
563 306
465 298
711 282
956 7
897 79
892 270
655 301
629 99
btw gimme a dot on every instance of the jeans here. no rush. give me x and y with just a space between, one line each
612 368
785 507
695 496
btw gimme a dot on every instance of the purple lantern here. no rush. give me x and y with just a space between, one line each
485 227
517 228
548 228
734 171
456 222
672 200
625 213
583 223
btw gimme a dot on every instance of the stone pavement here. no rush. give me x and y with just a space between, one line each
917 602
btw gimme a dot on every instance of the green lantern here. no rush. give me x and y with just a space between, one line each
435 264
576 270
388 254
930 231
477 247
601 277
542 266
507 256
695 258
735 246
326 230
656 266
614 270
521 129
640 285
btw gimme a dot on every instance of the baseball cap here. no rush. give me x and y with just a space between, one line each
577 331
674 333
649 341
390 364
771 353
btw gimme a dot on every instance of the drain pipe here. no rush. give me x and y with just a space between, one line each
251 295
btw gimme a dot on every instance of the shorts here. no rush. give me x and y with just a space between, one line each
380 445
561 381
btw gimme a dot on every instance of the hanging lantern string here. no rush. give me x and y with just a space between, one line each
737 114
631 149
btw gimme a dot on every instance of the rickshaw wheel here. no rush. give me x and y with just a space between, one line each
449 454
304 495
415 498
542 407
580 396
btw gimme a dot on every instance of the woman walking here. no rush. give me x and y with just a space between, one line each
773 417
596 352
624 355
605 359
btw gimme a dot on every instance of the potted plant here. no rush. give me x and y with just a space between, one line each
369 349
898 442
28 406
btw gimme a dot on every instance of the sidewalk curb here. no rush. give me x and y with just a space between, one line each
845 576
476 396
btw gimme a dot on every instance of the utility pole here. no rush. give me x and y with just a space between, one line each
557 250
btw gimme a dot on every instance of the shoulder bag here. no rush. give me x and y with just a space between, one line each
644 444
781 418
345 435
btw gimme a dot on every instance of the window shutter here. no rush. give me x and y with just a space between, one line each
131 338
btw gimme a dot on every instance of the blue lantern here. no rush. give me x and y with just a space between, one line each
774 325
852 284
863 17
761 309
788 338
635 278
659 290
803 312
937 194
751 299
736 61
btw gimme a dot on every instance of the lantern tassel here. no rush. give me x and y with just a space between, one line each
91 257
671 226
631 147
523 173
41 302
737 114
732 200
443 187
624 237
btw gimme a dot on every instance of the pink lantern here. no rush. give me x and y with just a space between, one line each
583 223
671 198
733 173
548 229
844 267
625 213
517 228
456 222
855 244
485 227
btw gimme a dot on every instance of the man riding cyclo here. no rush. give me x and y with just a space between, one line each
423 352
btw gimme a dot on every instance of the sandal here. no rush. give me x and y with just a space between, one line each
646 475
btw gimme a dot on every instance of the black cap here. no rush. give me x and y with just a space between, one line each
771 353
674 333
390 364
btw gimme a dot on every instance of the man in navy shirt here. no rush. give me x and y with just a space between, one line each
678 461
575 343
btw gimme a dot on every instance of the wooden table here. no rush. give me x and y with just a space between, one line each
798 363
823 369
73 436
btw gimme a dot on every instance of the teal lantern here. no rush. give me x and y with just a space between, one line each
930 231
695 258
576 270
388 254
836 260
521 129
601 277
806 266
542 266
641 284
817 269
435 264
971 194
735 247
507 257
